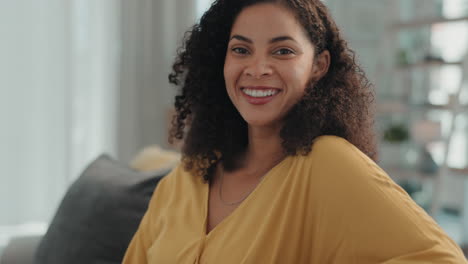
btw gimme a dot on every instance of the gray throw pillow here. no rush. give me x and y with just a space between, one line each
98 215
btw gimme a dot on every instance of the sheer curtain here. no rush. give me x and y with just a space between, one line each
78 78
59 75
151 32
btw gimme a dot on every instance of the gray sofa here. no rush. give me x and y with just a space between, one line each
95 220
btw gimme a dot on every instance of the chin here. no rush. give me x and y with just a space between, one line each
260 121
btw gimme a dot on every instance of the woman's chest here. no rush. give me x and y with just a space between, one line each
263 230
218 210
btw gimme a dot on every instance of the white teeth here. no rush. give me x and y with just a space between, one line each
260 93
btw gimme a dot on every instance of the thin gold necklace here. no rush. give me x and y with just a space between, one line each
243 198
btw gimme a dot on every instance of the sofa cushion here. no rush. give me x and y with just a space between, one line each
98 215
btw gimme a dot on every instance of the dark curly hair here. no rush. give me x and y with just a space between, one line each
340 103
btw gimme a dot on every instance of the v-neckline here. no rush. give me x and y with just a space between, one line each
206 193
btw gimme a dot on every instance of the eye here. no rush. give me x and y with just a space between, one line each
239 50
284 51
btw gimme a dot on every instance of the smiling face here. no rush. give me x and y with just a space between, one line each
269 62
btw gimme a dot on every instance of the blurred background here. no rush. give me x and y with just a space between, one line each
82 77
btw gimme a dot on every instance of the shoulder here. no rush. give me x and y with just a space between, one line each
334 147
339 168
336 154
176 177
178 181
338 164
367 206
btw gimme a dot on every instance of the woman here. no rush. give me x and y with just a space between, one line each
278 159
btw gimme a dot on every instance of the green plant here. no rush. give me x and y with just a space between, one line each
396 133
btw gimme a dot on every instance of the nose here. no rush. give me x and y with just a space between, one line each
258 67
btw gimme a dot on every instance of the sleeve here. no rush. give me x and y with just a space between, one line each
144 236
370 219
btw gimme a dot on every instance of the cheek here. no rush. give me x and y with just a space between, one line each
232 73
229 71
296 76
302 74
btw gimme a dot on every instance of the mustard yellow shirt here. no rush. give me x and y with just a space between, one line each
334 205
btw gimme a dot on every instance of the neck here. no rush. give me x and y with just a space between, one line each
264 150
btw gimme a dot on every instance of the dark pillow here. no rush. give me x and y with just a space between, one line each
98 215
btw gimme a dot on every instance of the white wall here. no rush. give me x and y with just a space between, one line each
363 25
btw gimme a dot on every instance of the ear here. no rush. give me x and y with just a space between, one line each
321 65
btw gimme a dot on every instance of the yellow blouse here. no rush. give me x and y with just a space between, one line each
334 205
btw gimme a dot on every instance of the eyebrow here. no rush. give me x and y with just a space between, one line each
273 40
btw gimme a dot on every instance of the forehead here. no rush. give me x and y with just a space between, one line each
267 20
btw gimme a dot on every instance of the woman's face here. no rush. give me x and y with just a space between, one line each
269 61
